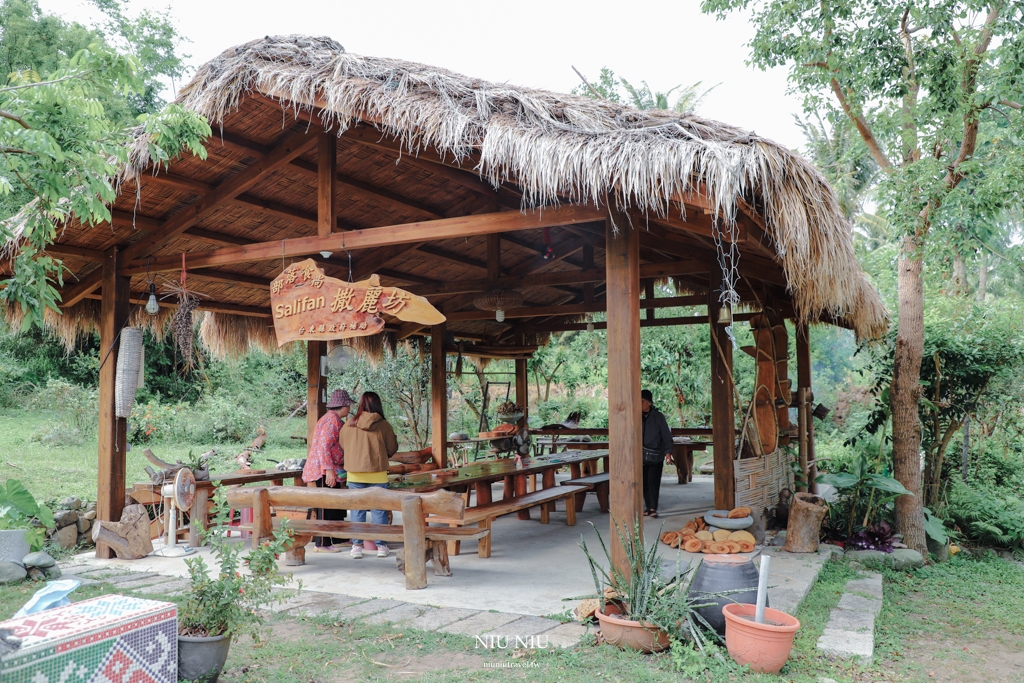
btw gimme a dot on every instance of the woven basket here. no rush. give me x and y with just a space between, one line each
129 361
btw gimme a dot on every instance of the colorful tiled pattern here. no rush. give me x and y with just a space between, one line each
110 639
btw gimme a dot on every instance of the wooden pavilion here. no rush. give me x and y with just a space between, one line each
449 187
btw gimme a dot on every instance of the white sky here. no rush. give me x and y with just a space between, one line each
529 43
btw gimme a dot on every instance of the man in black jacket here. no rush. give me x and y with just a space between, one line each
657 445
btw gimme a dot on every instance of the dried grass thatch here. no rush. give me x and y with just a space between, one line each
230 337
557 146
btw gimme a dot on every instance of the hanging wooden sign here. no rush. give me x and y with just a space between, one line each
307 304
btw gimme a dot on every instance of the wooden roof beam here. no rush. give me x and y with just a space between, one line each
657 322
370 238
293 145
577 309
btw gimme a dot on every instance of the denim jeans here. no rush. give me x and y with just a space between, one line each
377 516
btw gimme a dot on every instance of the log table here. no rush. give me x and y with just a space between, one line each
682 458
481 475
201 506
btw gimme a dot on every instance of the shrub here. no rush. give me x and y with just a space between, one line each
995 516
75 404
58 433
153 421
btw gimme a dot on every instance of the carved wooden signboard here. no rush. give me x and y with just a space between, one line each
309 305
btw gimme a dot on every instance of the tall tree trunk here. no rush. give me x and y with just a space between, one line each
959 275
982 276
906 390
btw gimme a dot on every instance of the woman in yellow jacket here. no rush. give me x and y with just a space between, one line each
368 440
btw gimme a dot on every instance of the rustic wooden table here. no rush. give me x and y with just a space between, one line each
682 458
481 475
201 506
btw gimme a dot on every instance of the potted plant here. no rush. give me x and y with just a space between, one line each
23 522
644 611
221 608
763 647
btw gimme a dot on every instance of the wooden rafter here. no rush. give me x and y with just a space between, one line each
445 228
577 308
293 145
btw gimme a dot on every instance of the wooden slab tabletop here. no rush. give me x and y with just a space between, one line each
235 478
490 470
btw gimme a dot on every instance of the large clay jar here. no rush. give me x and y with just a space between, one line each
762 647
630 635
719 573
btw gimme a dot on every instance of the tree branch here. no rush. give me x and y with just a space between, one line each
17 119
862 127
970 138
42 83
1011 104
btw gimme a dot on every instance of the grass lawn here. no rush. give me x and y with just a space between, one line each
958 621
54 471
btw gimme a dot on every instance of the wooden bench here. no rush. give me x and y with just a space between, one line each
421 542
484 515
598 483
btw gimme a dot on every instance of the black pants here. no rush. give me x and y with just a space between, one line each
328 515
652 484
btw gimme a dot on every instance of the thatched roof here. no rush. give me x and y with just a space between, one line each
559 147
551 148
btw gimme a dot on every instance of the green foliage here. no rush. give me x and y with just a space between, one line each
616 89
19 510
61 151
648 598
229 603
990 516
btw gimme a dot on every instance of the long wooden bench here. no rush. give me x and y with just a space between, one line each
421 542
484 515
598 483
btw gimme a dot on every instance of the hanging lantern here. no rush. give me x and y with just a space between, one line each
152 306
590 323
499 301
725 315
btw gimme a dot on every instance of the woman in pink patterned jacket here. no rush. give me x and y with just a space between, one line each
325 464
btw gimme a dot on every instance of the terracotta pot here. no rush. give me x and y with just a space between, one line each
633 635
719 573
762 647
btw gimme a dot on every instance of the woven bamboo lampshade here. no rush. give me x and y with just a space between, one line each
499 301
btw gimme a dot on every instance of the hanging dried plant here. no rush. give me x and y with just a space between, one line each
183 327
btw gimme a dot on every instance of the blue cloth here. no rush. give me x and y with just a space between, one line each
377 516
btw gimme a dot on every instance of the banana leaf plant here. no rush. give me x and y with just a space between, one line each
19 510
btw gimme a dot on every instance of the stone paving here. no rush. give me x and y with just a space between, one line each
537 631
792 576
850 632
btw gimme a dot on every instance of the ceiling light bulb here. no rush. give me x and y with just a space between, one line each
499 315
152 306
326 254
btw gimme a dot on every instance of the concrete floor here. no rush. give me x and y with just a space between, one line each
532 568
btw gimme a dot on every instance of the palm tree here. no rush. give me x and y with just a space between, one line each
610 87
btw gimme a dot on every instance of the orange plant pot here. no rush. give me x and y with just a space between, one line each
628 634
762 647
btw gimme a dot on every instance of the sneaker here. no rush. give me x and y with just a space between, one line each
328 549
357 552
382 550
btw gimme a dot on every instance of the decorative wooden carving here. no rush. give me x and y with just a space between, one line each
129 538
307 304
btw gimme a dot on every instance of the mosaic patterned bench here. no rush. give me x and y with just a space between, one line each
110 639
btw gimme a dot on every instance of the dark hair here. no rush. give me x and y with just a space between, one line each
369 402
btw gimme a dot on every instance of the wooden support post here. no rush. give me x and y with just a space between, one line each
316 388
439 396
522 383
723 411
625 423
112 429
415 535
806 420
327 178
649 296
588 264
